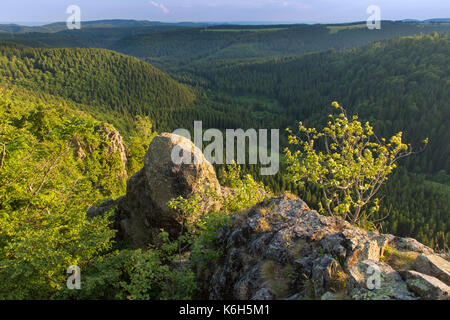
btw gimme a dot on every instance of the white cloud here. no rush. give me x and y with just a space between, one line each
159 5
295 4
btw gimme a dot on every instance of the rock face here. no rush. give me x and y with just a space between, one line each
433 265
113 144
280 249
427 287
168 180
143 211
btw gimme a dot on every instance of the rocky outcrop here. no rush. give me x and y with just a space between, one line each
425 286
78 151
433 265
113 144
365 284
143 211
110 141
281 249
278 249
168 180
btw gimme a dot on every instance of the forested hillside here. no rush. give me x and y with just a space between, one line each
115 88
170 46
399 85
93 77
181 47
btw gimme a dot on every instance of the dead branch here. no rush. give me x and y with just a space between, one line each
44 178
3 154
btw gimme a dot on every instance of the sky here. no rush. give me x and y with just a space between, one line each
288 11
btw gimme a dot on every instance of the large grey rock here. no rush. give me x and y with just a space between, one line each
433 265
168 180
282 249
409 244
427 287
372 280
143 211
316 251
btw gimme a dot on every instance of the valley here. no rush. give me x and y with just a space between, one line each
80 108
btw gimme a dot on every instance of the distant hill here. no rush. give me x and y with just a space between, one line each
183 46
94 77
169 46
438 20
111 23
434 20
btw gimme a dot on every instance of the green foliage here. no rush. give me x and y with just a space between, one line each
104 278
351 169
136 275
189 208
45 191
138 144
200 231
245 190
166 270
204 249
155 278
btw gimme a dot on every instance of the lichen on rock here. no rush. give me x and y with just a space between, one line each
331 259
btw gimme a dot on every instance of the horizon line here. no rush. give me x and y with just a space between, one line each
240 22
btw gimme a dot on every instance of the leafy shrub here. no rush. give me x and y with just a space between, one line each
104 278
245 190
347 162
155 273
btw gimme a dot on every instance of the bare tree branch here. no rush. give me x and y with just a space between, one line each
44 178
3 154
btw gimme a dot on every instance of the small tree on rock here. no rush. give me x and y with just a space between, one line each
347 162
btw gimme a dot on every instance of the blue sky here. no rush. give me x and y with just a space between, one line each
222 10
